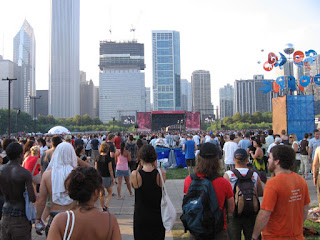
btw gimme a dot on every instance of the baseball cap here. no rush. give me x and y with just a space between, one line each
240 154
208 150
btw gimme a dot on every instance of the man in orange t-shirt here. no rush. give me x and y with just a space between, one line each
285 201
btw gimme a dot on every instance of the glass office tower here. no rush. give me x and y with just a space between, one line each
166 70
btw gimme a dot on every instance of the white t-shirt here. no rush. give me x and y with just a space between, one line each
243 171
196 139
229 148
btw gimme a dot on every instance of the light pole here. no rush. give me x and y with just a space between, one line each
9 98
113 119
34 112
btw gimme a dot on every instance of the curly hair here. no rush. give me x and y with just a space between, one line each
81 184
147 153
285 155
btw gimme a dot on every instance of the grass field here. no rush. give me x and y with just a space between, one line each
177 173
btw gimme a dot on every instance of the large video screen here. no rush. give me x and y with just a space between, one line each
193 121
144 121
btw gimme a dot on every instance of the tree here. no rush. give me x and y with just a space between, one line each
257 117
237 117
227 120
86 120
267 117
246 118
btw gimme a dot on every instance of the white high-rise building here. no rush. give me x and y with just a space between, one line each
201 92
121 83
24 56
64 85
6 71
226 95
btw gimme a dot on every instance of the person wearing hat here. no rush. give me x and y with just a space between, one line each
208 165
236 224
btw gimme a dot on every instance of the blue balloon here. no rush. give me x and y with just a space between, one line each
300 64
266 86
291 83
282 59
316 79
304 81
280 82
313 53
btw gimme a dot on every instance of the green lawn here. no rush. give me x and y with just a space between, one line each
177 173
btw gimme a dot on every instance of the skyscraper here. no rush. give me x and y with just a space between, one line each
121 82
166 70
201 92
226 101
24 56
64 82
186 94
248 97
6 71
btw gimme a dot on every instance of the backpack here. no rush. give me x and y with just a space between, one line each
245 195
201 214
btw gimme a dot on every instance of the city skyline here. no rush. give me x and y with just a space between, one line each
218 36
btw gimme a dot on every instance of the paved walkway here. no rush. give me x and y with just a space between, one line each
123 209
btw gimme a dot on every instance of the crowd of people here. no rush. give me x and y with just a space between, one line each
69 179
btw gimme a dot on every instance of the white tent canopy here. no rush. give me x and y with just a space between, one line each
58 130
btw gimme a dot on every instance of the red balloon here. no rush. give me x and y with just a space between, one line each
276 87
272 58
267 66
298 56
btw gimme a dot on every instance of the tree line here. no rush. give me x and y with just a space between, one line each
256 120
23 122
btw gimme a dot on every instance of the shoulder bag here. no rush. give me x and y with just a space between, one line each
168 211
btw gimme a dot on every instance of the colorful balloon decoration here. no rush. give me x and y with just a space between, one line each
299 59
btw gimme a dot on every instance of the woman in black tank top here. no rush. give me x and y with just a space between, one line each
147 221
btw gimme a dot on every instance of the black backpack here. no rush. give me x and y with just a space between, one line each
245 195
201 213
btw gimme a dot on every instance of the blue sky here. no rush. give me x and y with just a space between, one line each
224 37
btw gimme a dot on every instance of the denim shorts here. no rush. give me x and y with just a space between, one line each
122 173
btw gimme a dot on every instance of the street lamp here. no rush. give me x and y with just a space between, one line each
9 98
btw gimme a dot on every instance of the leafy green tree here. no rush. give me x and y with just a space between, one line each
227 121
257 117
267 117
246 118
237 117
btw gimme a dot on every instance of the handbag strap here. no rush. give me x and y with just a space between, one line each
164 190
34 168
